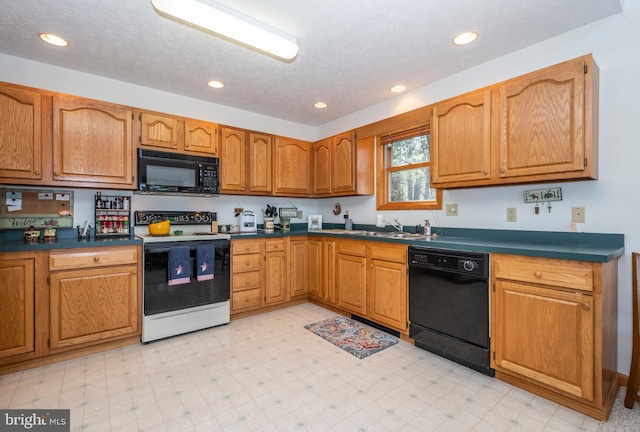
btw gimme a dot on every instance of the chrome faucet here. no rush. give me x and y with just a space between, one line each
398 226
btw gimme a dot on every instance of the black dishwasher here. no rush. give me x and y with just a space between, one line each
449 305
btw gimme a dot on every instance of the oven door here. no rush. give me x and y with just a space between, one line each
160 297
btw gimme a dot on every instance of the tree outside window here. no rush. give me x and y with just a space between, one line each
404 167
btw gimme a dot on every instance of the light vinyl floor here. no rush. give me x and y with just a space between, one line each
268 373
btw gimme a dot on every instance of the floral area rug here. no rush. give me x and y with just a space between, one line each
351 336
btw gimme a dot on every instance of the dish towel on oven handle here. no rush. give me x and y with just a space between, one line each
205 254
179 266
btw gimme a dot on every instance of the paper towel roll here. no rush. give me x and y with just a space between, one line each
379 221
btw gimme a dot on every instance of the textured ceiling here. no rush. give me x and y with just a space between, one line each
351 51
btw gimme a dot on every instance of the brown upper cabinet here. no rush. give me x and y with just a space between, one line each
21 115
292 167
245 162
539 127
92 143
343 165
172 133
61 140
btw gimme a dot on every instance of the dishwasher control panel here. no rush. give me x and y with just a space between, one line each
449 260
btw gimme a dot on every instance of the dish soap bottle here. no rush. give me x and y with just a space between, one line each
427 227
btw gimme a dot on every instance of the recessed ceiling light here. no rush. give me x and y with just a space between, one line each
465 38
398 88
53 39
320 104
215 84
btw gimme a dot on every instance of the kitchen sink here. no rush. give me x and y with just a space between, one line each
380 234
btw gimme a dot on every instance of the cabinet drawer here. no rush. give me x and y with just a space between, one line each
274 245
246 299
245 263
244 281
553 272
352 248
388 252
93 258
246 247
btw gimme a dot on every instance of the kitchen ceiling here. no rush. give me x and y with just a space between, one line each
351 52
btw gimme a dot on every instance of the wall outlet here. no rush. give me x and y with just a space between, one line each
299 214
578 214
512 214
452 209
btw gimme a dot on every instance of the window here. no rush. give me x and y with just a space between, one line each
404 172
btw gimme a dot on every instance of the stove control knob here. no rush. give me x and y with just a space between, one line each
469 265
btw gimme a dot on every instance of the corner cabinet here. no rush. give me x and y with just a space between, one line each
95 295
343 165
92 143
20 134
554 329
542 128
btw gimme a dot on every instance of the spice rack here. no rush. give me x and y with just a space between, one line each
112 215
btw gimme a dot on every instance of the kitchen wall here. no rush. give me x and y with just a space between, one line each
611 202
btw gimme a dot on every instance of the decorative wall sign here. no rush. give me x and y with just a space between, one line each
543 195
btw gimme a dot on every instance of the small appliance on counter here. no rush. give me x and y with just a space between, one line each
247 221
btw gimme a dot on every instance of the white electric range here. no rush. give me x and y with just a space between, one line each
170 310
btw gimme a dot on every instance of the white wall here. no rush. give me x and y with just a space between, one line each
611 202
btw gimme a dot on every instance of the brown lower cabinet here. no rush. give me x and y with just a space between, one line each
554 329
67 302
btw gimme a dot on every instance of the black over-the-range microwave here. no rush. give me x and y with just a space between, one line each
175 173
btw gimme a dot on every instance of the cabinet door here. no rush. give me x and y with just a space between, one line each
322 167
315 268
260 163
20 133
17 311
329 272
90 305
298 268
200 137
461 139
160 131
343 172
351 279
275 277
92 142
541 121
387 303
545 335
232 160
292 167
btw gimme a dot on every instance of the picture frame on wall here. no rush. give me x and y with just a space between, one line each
315 222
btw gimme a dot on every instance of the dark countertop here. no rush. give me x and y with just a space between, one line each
592 247
13 241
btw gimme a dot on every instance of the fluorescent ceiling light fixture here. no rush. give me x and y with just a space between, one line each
215 84
230 24
465 38
398 88
320 104
53 39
